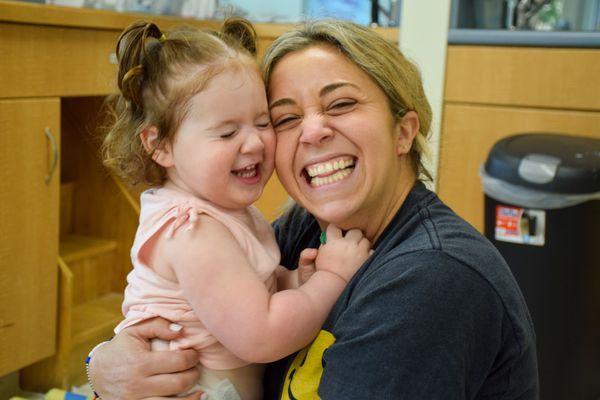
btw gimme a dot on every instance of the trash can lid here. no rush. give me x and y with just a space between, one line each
554 163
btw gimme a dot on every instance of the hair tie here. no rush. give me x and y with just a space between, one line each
162 38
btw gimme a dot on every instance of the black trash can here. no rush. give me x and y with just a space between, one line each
542 212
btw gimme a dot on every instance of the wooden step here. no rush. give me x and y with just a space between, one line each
76 247
96 318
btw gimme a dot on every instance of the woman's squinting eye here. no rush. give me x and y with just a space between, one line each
263 124
284 120
341 105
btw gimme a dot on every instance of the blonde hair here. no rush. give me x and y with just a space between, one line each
399 79
157 76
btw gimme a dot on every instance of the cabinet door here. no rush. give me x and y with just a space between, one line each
29 145
470 131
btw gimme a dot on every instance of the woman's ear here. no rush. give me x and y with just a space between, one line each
160 148
407 129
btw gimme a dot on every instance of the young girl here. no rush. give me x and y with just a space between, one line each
192 120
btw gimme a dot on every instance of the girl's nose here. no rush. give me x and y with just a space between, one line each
253 143
315 131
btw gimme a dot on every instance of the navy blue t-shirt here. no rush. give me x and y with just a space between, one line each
434 314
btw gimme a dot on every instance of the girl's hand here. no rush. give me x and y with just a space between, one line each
126 368
306 265
342 254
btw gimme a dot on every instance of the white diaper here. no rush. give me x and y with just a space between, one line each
222 390
213 387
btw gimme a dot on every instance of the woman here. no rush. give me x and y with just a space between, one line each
434 313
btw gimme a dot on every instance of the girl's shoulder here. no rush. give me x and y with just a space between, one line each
164 206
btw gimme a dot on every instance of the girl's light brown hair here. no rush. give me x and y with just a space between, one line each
158 73
399 79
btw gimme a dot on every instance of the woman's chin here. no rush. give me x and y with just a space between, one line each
337 213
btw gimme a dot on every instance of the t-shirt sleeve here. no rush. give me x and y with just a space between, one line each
419 334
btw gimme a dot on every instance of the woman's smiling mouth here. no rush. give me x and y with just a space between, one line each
328 172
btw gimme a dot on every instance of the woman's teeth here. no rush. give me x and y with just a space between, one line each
326 167
329 172
339 175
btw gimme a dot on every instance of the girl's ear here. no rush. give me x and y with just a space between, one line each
407 129
160 149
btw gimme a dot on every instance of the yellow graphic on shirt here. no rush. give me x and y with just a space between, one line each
304 374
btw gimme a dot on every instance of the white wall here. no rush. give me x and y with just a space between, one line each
423 39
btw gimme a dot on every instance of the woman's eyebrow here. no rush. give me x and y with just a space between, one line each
333 86
281 102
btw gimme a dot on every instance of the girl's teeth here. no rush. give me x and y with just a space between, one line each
247 172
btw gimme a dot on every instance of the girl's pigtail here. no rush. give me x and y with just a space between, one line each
135 47
241 32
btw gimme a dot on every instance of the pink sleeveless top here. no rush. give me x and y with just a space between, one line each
149 295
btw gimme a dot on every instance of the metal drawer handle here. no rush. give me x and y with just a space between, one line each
54 161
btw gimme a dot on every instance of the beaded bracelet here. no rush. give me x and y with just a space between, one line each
87 368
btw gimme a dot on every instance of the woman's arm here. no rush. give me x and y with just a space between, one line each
126 369
234 304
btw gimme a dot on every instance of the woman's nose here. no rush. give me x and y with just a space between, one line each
253 143
315 130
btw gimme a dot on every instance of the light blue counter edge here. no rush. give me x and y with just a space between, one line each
524 38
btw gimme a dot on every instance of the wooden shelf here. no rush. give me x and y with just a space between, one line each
77 247
96 318
43 14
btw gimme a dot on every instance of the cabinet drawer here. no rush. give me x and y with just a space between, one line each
28 231
468 134
42 60
519 76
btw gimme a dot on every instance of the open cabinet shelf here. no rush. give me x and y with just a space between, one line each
77 247
96 318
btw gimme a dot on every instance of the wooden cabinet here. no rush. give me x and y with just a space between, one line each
551 78
29 192
493 92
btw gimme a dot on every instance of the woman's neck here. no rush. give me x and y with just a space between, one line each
374 223
377 223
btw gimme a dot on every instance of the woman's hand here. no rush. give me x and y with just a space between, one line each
126 368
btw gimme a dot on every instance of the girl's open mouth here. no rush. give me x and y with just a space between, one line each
247 173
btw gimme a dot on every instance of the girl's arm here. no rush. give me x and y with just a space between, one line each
235 305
